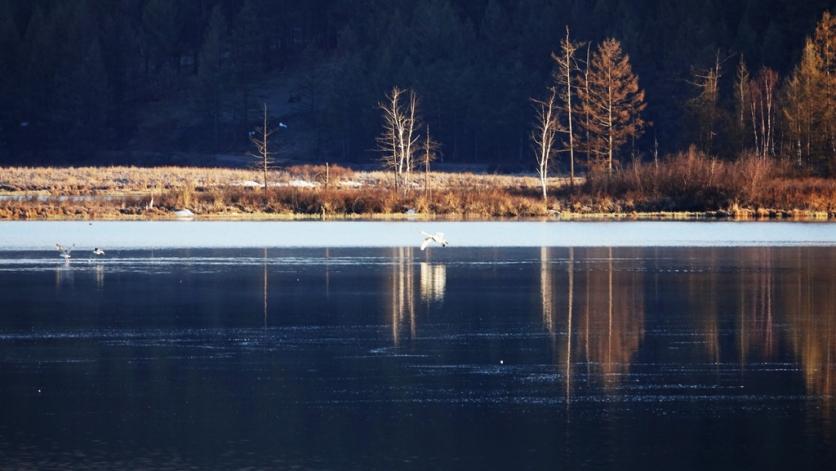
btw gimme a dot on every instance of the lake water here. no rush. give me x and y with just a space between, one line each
510 356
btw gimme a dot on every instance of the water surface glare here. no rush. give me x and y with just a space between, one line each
39 235
393 358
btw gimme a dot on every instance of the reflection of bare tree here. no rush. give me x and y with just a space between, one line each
265 283
569 332
327 273
756 316
402 291
546 301
433 281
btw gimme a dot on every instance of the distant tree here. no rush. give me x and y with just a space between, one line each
763 93
543 136
9 78
429 153
213 72
742 96
803 107
159 20
824 39
705 107
89 93
808 99
565 78
260 138
613 100
246 56
311 91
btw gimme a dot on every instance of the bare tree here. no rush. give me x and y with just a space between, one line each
397 142
543 136
587 118
429 151
260 138
762 91
411 137
567 66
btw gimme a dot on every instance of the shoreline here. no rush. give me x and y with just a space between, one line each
318 192
680 216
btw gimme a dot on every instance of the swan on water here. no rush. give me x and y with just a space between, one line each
438 238
98 252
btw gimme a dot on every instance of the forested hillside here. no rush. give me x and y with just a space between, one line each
89 80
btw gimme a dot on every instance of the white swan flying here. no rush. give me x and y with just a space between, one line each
64 252
438 238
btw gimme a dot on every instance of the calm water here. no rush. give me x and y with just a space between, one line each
393 358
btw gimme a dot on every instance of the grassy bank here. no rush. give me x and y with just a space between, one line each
685 186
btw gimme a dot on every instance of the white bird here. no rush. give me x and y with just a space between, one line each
98 252
64 252
438 238
282 125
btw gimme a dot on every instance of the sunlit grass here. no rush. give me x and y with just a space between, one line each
689 185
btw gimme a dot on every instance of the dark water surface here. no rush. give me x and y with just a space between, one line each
480 358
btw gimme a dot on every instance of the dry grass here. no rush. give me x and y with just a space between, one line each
692 181
688 185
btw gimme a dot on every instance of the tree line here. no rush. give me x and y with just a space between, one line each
90 78
593 106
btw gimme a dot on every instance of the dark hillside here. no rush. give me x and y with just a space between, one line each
163 81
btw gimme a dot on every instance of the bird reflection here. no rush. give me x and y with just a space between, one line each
63 274
99 270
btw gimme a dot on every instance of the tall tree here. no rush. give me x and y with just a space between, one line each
808 99
825 42
614 102
802 107
260 138
565 78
